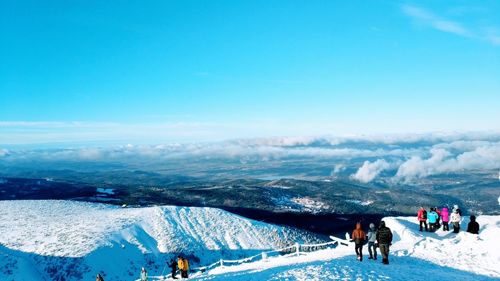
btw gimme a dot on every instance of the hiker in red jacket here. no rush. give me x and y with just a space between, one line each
422 218
359 236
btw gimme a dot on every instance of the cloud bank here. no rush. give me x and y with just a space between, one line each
400 158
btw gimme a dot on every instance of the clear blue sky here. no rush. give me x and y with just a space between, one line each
189 70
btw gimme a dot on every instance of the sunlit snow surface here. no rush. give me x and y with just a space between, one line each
47 240
74 233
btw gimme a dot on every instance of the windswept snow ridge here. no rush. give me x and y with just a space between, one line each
84 236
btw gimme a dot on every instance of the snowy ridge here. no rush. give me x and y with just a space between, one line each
81 237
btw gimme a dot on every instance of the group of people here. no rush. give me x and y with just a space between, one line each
182 264
434 217
380 237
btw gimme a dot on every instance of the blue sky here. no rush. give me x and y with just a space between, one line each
155 71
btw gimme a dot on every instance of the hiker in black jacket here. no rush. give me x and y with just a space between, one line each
173 265
384 239
473 226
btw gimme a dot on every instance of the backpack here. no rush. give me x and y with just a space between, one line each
424 214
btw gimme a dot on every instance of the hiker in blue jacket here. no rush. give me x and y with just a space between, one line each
432 217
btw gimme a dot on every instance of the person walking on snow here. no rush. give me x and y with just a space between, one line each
432 217
455 220
445 217
358 235
173 267
372 239
144 274
384 239
473 226
422 218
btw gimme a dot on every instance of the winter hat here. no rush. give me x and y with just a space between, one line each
382 224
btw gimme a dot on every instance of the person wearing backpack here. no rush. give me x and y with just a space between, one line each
384 239
422 218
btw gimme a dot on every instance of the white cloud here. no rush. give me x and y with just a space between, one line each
370 170
424 17
442 161
337 169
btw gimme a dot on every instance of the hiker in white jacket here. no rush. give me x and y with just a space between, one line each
372 238
455 220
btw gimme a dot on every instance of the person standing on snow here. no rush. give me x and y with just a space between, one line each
445 217
384 239
144 274
180 264
358 235
438 221
422 218
455 220
432 217
372 239
185 269
473 226
173 267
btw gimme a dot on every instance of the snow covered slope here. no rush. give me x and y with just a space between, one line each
414 256
50 239
65 240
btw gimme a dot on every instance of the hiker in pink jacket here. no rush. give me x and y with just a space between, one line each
445 215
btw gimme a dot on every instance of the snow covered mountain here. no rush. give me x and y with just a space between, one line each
68 240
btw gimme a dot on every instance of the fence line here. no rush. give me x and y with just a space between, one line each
293 250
